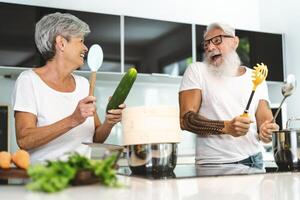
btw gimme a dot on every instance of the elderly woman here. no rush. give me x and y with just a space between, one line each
53 112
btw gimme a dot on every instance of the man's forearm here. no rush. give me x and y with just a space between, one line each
200 125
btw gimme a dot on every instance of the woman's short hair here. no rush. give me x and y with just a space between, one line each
52 25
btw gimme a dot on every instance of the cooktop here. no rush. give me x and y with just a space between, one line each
192 170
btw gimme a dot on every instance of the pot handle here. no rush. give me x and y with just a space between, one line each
290 120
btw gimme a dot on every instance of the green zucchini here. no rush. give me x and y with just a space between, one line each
122 90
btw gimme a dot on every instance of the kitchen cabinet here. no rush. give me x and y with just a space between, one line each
152 46
17 46
254 47
156 46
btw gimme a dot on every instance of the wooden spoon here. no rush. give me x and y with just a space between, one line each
94 60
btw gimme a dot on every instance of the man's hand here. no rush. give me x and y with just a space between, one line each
85 108
238 126
266 129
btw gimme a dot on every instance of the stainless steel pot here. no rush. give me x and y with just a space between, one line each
152 158
286 147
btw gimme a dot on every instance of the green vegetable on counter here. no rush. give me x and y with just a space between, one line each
122 89
57 175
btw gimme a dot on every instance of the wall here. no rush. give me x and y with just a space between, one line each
284 17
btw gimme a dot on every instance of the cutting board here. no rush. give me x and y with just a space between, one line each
81 178
13 173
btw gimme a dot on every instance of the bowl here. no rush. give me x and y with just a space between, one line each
160 158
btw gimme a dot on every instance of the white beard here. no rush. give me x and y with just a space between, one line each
229 66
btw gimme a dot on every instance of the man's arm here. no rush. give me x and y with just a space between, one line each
264 122
190 102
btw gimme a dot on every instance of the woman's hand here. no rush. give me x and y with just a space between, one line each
115 115
85 108
266 129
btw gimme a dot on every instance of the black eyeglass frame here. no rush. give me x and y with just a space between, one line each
205 43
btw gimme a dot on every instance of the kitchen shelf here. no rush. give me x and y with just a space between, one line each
13 73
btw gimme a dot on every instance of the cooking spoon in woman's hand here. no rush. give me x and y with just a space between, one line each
94 60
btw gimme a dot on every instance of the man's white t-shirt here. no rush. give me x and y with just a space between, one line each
224 98
31 94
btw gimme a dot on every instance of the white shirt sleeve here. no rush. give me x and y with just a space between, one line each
23 98
262 90
192 78
262 93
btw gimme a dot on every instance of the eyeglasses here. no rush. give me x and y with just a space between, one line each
215 40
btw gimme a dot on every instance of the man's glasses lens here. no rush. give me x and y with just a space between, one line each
215 40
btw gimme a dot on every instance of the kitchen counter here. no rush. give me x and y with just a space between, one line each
281 186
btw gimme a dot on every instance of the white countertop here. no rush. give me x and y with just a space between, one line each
281 186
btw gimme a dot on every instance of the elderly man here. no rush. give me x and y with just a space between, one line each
213 95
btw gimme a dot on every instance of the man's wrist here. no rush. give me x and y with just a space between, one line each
226 128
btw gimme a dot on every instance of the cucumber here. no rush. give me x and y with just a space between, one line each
122 90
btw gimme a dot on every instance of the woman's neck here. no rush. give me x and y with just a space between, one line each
57 71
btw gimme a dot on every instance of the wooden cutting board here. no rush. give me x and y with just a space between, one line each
81 178
13 173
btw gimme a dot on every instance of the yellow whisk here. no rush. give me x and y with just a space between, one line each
259 74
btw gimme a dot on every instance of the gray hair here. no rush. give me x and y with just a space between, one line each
52 25
217 25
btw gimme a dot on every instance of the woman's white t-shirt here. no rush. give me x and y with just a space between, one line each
224 98
31 94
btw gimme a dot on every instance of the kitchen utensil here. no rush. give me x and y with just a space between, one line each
158 159
287 90
110 147
286 147
106 150
94 60
259 74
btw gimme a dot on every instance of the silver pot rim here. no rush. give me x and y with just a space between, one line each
288 130
153 143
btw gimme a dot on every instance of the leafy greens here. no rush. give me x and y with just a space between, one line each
57 175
